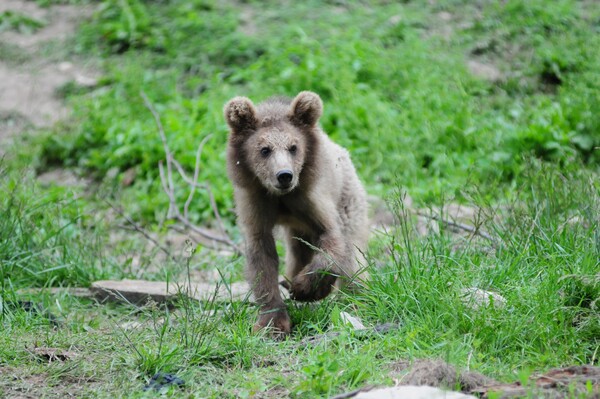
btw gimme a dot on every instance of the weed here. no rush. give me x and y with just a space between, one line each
19 22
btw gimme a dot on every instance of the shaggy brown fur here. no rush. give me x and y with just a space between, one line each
286 171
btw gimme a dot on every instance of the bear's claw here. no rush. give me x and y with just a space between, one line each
277 322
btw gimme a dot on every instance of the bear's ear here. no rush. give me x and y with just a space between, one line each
240 114
307 108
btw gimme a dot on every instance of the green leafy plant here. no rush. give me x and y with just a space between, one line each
11 20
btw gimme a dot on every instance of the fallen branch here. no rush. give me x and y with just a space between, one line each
460 226
166 179
139 229
206 187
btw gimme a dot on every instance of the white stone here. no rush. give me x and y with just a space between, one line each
355 322
411 392
476 298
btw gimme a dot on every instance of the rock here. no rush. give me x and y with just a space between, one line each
410 392
140 291
61 177
134 291
355 322
437 373
476 298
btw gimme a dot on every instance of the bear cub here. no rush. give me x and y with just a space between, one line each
287 172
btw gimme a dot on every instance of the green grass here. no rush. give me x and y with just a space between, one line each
545 264
399 95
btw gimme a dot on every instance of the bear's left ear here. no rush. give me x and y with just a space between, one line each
306 109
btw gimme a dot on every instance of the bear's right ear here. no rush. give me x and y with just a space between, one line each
240 114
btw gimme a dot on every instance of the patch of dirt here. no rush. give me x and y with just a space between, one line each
485 71
28 90
17 383
556 383
437 373
14 385
60 22
247 17
445 28
444 24
565 383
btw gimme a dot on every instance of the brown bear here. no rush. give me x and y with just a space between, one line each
286 171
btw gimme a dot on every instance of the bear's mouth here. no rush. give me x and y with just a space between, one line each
284 188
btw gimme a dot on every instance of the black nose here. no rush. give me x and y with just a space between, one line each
285 177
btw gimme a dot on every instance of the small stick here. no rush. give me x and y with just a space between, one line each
213 205
205 233
169 186
461 226
211 198
196 173
140 229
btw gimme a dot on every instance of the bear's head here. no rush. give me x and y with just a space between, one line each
273 142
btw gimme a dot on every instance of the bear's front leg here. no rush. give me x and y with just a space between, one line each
316 280
263 273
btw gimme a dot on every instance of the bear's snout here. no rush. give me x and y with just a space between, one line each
284 177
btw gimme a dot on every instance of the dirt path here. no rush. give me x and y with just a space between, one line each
32 68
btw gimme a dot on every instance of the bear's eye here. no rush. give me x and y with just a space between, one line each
293 149
265 151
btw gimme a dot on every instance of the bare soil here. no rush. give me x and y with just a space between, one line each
31 73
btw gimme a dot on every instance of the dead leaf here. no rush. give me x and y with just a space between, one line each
53 354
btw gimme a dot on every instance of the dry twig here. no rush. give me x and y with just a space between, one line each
139 229
169 186
460 226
